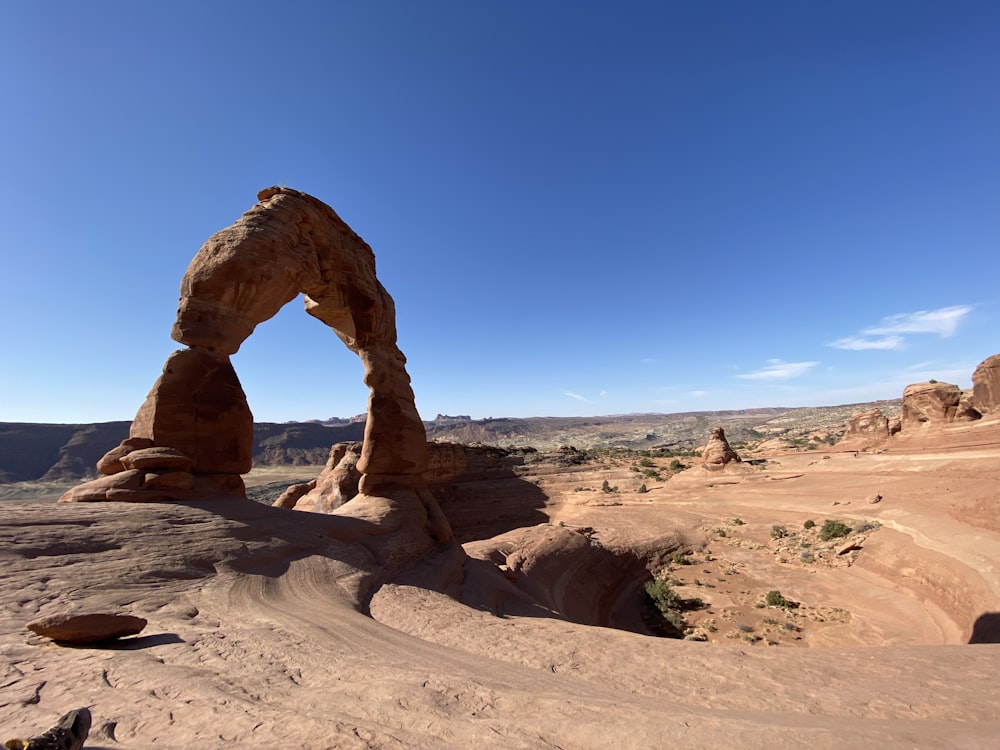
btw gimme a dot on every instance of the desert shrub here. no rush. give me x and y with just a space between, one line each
646 462
809 524
778 531
807 557
833 530
867 526
737 522
642 489
721 532
680 558
676 465
606 487
775 599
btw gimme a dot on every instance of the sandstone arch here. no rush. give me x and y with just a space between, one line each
192 436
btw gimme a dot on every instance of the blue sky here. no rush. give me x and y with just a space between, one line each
580 208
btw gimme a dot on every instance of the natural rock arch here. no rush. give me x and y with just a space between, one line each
192 437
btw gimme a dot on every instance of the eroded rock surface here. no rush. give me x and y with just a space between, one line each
718 452
932 403
287 244
866 429
986 385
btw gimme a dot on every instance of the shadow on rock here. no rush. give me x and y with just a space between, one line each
986 629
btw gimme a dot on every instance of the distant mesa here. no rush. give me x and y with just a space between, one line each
196 415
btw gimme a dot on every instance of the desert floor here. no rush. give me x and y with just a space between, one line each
276 628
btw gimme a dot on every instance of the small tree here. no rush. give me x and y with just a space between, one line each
833 529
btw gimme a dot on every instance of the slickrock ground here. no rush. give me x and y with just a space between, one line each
265 629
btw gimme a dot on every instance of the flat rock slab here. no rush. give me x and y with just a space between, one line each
92 628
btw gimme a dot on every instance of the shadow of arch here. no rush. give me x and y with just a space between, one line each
986 628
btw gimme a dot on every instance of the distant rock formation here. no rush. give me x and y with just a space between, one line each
287 244
866 429
718 452
986 386
933 403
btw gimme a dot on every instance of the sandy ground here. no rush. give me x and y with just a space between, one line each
271 628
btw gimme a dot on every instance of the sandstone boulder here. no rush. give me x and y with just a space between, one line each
866 429
929 403
87 628
986 386
718 452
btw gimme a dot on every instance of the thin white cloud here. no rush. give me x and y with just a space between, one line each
578 397
697 394
778 370
888 334
858 343
943 321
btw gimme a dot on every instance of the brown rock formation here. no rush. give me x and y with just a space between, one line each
986 386
866 429
718 452
86 628
478 487
932 403
287 244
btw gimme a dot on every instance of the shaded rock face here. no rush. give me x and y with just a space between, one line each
477 487
865 429
934 404
718 452
287 244
986 386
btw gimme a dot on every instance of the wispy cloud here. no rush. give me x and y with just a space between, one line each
776 369
697 394
578 397
888 333
859 343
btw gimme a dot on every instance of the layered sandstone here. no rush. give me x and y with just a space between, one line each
718 453
287 244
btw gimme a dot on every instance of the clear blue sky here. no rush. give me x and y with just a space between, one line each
580 208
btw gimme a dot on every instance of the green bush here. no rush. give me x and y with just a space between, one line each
775 599
809 524
676 465
833 530
778 531
642 489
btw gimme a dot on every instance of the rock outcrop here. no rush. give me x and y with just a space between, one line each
933 403
866 429
986 386
718 453
478 487
289 243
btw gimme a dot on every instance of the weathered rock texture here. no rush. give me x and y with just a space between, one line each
479 488
866 429
933 403
718 452
289 243
986 385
